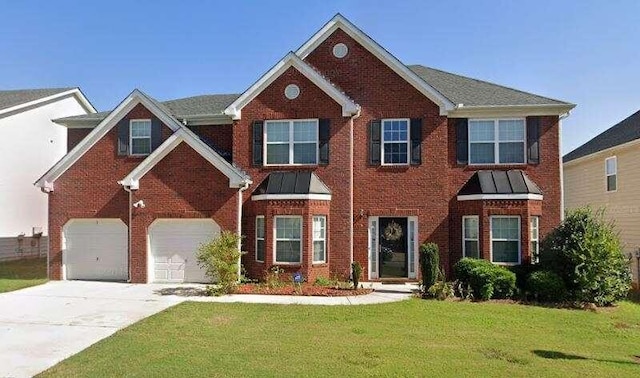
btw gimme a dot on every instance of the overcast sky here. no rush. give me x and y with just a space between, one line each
585 52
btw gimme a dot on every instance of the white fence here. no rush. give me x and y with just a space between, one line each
15 248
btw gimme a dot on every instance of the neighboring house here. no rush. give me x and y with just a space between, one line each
339 153
31 143
603 174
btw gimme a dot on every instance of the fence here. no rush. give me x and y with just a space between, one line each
15 248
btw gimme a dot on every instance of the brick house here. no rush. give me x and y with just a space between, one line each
339 153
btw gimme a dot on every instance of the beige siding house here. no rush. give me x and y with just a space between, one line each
604 173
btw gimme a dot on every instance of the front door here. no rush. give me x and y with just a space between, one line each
394 247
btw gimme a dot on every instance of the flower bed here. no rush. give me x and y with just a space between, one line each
303 290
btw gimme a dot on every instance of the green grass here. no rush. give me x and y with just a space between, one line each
410 338
19 274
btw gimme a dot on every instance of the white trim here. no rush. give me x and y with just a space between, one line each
340 22
416 249
291 142
496 140
373 249
314 240
382 141
349 107
493 111
534 257
264 234
607 174
275 239
465 239
131 137
491 218
276 197
75 92
482 197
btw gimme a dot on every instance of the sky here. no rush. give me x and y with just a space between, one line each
584 52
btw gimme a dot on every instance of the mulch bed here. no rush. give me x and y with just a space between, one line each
304 290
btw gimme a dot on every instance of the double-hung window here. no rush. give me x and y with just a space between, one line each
611 173
534 238
395 141
505 240
140 136
291 142
288 239
470 241
319 239
497 141
260 246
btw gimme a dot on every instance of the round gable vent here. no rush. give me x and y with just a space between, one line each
340 50
292 91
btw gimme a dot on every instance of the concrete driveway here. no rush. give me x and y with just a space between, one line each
42 325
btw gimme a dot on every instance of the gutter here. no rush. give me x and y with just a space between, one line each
128 189
351 169
244 187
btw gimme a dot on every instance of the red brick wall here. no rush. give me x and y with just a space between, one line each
220 135
74 136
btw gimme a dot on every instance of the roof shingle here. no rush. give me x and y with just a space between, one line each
11 98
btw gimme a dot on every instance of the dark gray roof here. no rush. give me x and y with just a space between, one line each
623 132
292 182
499 182
473 92
15 97
179 108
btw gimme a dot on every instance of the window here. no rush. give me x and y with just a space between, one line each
260 238
534 239
505 240
319 239
470 242
288 237
500 141
395 141
291 142
611 173
140 135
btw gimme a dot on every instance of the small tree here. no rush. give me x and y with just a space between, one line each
586 252
356 272
220 258
429 264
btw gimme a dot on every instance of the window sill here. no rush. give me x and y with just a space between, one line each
320 264
287 264
289 166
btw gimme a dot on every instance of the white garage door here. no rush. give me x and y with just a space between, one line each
173 245
95 249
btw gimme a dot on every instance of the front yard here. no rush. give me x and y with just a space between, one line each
410 338
19 274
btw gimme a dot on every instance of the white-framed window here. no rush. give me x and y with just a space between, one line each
611 173
534 238
140 136
260 246
291 142
287 248
497 141
395 141
319 239
505 240
470 239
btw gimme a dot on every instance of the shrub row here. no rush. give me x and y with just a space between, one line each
485 279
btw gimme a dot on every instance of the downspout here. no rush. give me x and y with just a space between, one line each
128 189
563 116
239 226
351 169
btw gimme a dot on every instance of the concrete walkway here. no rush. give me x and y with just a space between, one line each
43 325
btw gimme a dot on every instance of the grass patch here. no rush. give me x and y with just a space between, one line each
409 338
19 274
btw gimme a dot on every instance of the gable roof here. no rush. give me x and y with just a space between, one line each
20 99
349 108
159 110
624 131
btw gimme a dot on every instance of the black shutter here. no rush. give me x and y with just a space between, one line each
462 140
533 140
156 133
416 141
257 142
374 142
123 137
324 131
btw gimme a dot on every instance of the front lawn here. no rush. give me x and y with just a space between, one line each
19 274
409 338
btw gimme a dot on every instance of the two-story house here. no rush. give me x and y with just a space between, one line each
339 153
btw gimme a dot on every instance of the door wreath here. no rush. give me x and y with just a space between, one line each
392 232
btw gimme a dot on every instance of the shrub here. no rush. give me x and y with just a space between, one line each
546 286
356 271
323 281
485 279
522 274
273 277
585 251
220 258
429 264
441 290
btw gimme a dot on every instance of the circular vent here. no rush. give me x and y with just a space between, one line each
340 50
292 91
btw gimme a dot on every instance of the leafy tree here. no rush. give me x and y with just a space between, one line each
220 258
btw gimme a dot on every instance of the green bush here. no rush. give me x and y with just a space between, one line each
546 286
220 258
324 282
485 279
585 251
429 264
523 272
441 290
356 272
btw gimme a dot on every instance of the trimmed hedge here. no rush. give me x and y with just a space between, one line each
485 279
546 286
429 264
